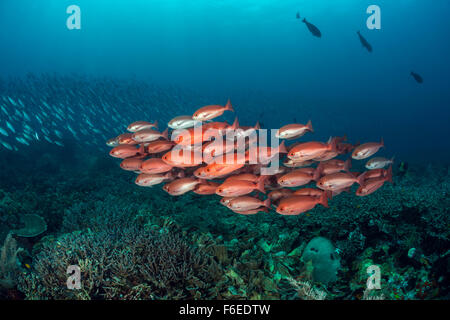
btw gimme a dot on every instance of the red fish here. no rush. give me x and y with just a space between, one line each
293 131
126 138
246 203
131 164
126 151
333 166
206 188
141 125
159 146
154 166
276 195
236 188
338 180
182 158
148 180
181 186
367 149
371 185
211 111
310 150
148 135
295 205
295 178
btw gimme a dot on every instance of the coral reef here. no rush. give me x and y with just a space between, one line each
123 263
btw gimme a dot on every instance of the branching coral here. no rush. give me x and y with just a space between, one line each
124 263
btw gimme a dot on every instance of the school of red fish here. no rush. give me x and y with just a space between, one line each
209 157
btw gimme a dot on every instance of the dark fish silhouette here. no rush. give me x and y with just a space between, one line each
364 42
312 28
417 77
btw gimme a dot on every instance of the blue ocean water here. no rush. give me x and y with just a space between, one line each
65 92
233 48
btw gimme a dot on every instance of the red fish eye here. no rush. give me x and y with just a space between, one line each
220 190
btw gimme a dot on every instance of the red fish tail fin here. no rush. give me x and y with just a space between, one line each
228 106
309 126
165 134
348 164
235 124
389 174
266 203
360 178
141 149
318 172
329 194
324 199
257 126
332 144
156 124
261 184
282 148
